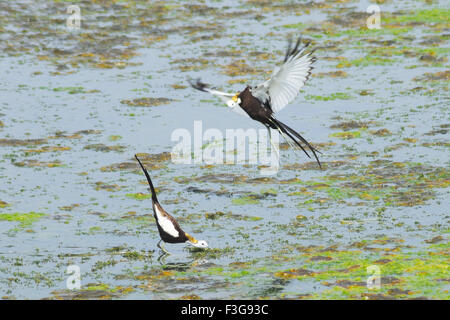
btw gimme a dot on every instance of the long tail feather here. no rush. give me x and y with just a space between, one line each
284 132
295 133
289 131
152 189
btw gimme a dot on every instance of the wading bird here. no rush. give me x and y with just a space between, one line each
261 102
169 229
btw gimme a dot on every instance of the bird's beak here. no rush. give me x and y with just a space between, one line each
235 98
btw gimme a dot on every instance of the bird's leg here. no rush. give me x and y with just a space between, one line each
162 248
271 142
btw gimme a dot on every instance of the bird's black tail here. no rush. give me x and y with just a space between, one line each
152 189
290 133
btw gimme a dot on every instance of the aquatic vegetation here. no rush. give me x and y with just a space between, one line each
18 142
139 196
24 219
4 204
46 149
352 124
147 102
73 90
37 163
95 96
245 200
346 134
104 148
333 96
424 16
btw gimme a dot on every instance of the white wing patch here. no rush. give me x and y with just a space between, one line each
164 222
286 81
222 95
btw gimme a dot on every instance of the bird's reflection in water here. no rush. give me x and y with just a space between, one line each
181 265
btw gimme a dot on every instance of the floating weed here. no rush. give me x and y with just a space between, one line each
93 291
345 271
4 204
138 196
346 135
332 74
99 265
244 201
46 149
190 297
210 253
146 102
73 90
239 68
365 32
230 215
37 163
368 60
395 183
293 273
69 207
135 255
333 96
352 124
381 132
426 16
24 142
114 137
24 219
104 148
100 185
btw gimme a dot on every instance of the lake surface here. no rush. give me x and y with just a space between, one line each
77 104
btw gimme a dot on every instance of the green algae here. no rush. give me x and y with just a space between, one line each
244 201
425 16
210 253
73 90
139 196
346 134
346 273
24 219
147 102
100 147
332 97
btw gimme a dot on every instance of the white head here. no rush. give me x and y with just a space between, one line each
234 102
199 244
196 243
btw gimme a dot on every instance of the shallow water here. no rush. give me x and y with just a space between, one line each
72 193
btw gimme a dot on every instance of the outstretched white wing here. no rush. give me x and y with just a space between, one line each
287 80
222 95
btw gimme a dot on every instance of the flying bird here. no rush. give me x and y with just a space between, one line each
262 102
169 229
